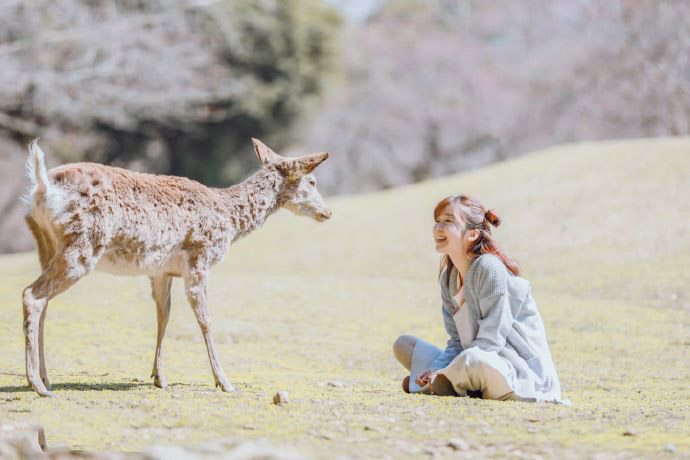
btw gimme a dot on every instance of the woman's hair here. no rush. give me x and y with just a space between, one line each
475 216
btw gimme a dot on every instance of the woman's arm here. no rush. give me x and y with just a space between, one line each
496 324
453 346
497 317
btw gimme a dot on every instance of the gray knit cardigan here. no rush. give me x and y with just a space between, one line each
508 322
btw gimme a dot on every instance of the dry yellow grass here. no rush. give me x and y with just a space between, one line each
601 229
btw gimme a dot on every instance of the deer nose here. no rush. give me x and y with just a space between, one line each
325 214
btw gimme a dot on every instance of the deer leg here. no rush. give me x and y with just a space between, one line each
61 273
41 354
33 308
196 293
160 287
46 251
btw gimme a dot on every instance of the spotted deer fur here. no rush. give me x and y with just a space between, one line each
87 216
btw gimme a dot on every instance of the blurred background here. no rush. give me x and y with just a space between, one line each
398 90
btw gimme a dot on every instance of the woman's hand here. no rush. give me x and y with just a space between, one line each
426 377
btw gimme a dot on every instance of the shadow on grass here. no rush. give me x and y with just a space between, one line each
81 387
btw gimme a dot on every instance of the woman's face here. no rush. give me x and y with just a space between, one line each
449 232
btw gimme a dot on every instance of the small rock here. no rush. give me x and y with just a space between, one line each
630 432
458 444
670 448
372 428
336 383
281 398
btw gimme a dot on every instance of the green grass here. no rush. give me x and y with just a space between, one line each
601 230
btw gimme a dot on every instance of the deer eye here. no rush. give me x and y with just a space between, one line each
312 182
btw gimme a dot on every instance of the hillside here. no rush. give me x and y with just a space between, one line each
601 230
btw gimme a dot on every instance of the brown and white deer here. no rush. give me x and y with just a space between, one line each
87 216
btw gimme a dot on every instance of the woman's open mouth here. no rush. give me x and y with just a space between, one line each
440 239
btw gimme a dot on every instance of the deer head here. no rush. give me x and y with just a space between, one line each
299 193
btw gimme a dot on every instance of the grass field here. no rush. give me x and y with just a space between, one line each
602 231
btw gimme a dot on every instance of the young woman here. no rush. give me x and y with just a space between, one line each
497 347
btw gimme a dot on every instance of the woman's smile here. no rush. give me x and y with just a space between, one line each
447 232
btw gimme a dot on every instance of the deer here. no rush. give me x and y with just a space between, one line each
90 216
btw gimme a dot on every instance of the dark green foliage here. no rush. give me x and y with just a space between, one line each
280 52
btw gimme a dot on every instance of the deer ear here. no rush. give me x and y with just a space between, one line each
308 163
265 154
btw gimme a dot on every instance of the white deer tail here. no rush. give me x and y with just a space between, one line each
42 195
36 171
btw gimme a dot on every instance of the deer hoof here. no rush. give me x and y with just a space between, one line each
46 393
226 387
41 389
160 382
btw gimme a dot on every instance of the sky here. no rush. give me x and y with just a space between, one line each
355 10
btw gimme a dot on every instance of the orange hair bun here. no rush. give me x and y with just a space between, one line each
492 217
